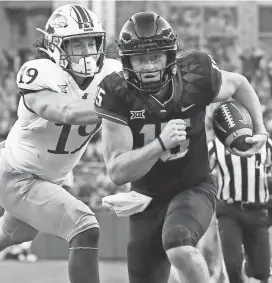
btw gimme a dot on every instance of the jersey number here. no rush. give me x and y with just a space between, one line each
31 74
98 98
64 134
151 131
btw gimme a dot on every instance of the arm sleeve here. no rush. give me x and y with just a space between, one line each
37 75
110 104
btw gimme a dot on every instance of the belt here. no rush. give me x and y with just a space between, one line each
246 205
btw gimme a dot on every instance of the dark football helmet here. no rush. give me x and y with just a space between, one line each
144 33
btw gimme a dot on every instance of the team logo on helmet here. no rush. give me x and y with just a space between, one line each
58 21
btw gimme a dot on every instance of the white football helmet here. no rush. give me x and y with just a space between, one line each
68 22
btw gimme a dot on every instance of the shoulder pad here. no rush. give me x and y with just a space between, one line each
114 82
202 76
110 102
189 56
39 74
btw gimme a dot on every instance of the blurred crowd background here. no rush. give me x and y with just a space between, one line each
238 34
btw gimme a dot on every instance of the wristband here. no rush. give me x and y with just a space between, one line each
161 143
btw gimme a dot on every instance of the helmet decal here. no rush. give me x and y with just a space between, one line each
58 21
83 18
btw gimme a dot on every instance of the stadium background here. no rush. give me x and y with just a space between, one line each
238 34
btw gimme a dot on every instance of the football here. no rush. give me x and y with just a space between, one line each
232 124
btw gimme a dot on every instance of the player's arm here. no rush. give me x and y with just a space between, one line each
237 86
127 165
123 163
55 107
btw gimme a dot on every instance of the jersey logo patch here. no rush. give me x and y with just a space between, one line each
183 109
139 114
63 88
85 95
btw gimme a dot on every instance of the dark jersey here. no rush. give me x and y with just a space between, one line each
195 85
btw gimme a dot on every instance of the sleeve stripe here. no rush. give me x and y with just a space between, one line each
29 109
214 68
211 148
111 118
25 91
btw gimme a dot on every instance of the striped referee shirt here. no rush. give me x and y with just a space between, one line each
239 178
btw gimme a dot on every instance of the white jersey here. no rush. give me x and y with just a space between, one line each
44 148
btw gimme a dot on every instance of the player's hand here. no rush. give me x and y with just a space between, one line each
257 142
173 133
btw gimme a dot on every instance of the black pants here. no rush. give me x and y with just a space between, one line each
163 226
248 227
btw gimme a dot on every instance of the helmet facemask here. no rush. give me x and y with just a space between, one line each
84 65
135 78
88 64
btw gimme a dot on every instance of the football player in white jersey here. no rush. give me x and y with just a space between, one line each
55 123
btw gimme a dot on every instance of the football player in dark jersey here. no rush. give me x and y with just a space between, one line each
153 135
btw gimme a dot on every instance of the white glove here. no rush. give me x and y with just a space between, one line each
126 204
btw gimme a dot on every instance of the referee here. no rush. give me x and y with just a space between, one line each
241 212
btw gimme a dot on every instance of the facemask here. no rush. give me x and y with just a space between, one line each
86 67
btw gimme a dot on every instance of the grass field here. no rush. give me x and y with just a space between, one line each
56 272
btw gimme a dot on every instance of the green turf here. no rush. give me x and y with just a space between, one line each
56 272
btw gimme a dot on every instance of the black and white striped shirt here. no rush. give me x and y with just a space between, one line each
240 178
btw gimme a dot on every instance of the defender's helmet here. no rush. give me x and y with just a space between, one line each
74 21
147 32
